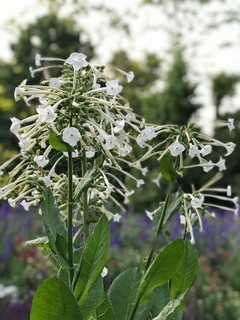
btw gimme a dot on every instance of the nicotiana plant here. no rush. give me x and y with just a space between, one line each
75 153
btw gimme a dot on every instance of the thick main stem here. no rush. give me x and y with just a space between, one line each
70 218
85 199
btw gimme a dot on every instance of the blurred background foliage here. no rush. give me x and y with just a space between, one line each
161 95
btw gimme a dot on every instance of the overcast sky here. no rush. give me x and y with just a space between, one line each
209 51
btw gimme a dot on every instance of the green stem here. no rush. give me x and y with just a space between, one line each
85 199
70 218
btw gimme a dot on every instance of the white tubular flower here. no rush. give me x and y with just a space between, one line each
111 142
39 58
197 202
90 152
176 148
221 164
47 181
230 124
208 166
129 75
41 161
140 182
145 135
95 84
77 60
55 83
25 204
91 129
207 149
24 142
119 126
15 126
116 217
193 150
113 88
71 136
74 153
18 91
230 147
104 272
46 114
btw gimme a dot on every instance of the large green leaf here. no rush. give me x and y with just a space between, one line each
167 168
169 209
123 292
162 269
57 143
54 300
94 299
94 257
161 297
187 271
86 182
55 228
104 311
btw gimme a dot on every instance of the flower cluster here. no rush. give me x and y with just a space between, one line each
82 116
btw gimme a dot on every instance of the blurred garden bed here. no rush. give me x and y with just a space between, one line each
214 296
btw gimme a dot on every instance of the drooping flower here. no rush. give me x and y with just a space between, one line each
193 150
230 124
208 166
206 149
15 126
111 142
41 161
116 217
77 60
230 146
196 202
221 164
71 136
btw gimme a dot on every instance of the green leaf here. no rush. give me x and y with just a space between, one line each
41 242
54 300
94 258
105 311
170 308
86 181
162 269
57 143
161 297
123 292
54 227
167 168
94 300
187 271
169 209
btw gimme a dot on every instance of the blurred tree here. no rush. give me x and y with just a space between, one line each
175 103
48 36
223 85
